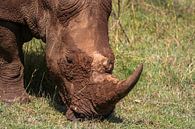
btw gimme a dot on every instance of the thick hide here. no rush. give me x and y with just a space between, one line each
78 55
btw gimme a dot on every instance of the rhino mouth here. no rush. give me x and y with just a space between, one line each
73 115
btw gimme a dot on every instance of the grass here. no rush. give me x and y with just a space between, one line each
160 34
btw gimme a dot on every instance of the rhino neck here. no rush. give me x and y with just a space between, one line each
36 14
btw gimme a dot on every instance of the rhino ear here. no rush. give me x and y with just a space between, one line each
70 115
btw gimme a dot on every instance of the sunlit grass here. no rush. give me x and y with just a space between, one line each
159 35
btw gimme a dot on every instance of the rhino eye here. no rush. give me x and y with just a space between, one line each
69 60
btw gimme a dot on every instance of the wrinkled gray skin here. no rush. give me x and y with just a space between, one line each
78 54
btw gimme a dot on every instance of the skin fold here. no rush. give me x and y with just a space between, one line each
78 54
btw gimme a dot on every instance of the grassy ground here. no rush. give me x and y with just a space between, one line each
161 34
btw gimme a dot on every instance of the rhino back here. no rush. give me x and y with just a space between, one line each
26 12
10 10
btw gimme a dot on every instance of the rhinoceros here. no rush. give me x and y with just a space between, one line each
78 55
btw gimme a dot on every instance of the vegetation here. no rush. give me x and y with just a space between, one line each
158 33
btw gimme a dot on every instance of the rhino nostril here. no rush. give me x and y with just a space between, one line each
108 65
69 60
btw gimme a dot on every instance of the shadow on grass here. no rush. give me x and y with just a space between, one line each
36 77
114 119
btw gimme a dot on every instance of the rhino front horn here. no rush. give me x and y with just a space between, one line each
124 87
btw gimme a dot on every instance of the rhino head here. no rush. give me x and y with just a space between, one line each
81 61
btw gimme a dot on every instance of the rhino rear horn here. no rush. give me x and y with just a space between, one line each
124 87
